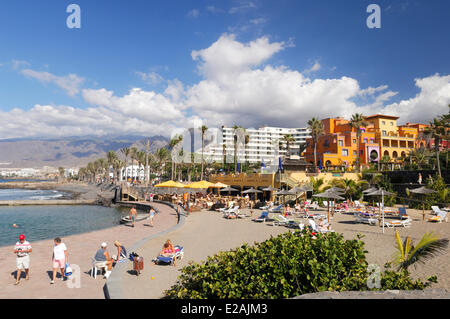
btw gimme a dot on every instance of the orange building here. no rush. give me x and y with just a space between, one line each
338 146
382 136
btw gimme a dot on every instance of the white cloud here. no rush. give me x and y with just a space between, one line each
314 68
70 83
238 86
16 64
194 13
228 57
242 7
151 78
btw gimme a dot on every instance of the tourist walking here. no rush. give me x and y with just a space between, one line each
133 214
419 179
22 251
59 258
151 215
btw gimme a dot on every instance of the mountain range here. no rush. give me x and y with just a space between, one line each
68 152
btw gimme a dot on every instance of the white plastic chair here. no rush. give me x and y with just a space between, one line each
96 266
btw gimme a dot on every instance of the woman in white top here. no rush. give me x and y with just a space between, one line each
59 258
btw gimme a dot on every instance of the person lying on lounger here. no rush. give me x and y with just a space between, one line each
168 250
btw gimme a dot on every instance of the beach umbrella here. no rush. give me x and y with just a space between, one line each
170 184
370 190
336 190
219 185
271 190
423 191
229 190
283 193
329 195
381 192
200 185
252 191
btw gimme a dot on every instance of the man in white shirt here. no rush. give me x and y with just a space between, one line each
22 251
60 258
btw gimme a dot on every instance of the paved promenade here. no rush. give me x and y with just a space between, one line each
81 249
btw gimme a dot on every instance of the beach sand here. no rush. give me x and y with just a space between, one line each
206 233
81 249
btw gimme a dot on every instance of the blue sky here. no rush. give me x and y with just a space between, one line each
124 45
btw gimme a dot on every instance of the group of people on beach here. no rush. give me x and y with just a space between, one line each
60 258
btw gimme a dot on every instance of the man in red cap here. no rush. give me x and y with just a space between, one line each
22 251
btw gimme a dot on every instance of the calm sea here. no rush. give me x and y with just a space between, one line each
31 194
47 222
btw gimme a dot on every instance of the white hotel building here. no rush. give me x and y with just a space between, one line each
264 144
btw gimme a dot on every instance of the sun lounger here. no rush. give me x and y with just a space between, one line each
325 203
262 218
317 229
365 218
278 209
179 254
281 220
358 204
397 223
402 213
439 218
436 210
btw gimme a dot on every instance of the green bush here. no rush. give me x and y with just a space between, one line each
285 266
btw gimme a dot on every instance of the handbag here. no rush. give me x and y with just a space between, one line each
68 270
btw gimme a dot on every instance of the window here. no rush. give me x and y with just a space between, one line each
372 140
384 133
344 152
392 123
326 143
383 122
341 143
354 141
365 140
354 152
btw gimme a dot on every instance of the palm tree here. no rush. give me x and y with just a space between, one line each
316 184
437 131
288 139
203 129
126 152
317 129
357 121
419 156
111 156
407 254
172 143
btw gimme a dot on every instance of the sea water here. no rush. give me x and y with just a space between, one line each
31 194
48 222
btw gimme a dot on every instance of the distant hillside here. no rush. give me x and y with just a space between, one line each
67 152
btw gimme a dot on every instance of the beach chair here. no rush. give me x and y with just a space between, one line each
233 210
98 265
281 220
179 254
262 218
278 209
435 210
397 223
439 218
325 203
365 219
358 204
402 213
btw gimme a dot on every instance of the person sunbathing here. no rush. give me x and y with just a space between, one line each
322 226
168 250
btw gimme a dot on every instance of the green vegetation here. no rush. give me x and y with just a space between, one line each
285 266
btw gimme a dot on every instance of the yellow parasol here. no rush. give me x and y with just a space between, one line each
201 184
170 184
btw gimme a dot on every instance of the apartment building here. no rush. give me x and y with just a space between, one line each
265 144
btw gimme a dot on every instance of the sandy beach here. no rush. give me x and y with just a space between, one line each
81 249
206 233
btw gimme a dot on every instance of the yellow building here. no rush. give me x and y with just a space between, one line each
395 141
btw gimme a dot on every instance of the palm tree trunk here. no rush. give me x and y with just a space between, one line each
203 149
315 157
